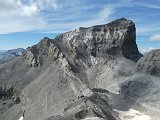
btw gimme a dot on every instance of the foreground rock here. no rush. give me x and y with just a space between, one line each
94 106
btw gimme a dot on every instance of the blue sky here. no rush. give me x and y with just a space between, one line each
24 22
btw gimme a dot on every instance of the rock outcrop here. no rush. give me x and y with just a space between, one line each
150 63
116 37
46 48
95 106
6 93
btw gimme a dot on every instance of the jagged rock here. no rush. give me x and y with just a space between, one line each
17 100
150 63
6 93
31 56
94 106
46 48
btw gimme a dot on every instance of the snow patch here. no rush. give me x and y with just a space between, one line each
93 118
21 118
132 114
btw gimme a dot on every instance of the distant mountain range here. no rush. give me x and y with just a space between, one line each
6 56
3 51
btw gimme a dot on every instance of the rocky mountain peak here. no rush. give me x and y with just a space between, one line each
115 38
45 42
45 49
123 22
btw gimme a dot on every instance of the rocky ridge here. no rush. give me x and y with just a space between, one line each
46 48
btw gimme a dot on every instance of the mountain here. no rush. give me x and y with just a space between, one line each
94 73
6 56
150 63
2 51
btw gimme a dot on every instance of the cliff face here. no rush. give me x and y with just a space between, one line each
116 37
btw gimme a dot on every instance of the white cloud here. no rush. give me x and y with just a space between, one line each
100 18
61 15
147 29
155 37
43 4
31 15
20 24
153 5
106 12
17 16
15 7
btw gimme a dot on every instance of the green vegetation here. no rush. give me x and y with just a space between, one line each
100 90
